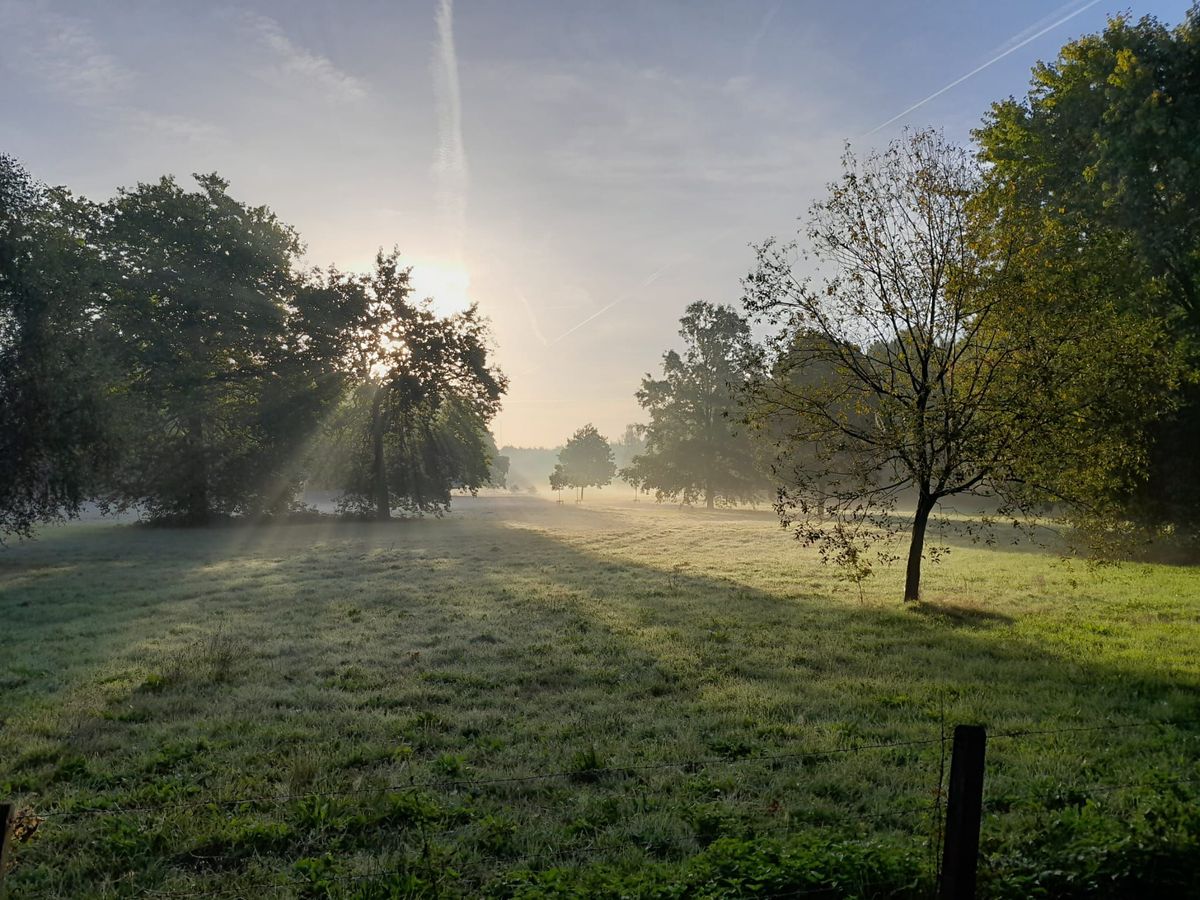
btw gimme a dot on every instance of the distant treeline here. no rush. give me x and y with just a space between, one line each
165 349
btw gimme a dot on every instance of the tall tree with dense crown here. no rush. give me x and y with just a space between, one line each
55 435
920 369
695 445
414 425
586 460
1098 167
221 380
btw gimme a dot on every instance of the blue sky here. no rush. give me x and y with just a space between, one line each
582 170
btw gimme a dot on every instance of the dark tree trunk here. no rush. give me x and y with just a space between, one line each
708 496
197 494
912 576
379 485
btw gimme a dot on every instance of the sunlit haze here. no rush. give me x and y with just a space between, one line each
581 171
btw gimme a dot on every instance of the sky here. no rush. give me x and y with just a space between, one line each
581 170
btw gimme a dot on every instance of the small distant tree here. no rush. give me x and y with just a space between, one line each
695 445
498 475
631 443
558 481
632 476
586 460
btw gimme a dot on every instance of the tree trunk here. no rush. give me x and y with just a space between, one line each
379 485
197 494
912 576
708 496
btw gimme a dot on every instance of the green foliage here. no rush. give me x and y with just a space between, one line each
220 392
174 325
55 435
1093 181
929 365
414 424
730 867
1081 852
586 460
694 445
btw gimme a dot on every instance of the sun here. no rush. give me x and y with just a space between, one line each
448 286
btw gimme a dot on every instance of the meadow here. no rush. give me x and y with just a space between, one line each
612 698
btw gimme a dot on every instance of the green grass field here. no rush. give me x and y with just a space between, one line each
370 687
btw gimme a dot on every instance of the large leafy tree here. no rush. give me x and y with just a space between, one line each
586 460
55 440
694 445
414 423
920 368
226 363
1095 175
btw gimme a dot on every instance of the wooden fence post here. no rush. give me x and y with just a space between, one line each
7 811
964 810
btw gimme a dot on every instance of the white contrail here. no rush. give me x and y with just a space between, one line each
450 165
533 322
645 283
995 59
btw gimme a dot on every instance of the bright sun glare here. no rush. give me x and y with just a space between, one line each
448 286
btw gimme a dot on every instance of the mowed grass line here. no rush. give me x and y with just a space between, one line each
318 665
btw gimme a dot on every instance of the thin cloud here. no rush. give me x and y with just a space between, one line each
61 53
296 61
450 164
178 128
645 283
995 59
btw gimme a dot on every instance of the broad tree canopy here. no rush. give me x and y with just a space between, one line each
1095 176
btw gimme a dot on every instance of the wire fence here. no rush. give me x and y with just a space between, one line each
427 844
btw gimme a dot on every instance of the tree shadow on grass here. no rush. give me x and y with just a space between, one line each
500 648
961 614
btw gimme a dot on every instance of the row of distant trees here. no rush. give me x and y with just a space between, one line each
165 349
1020 325
696 446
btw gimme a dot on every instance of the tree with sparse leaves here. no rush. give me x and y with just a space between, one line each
904 376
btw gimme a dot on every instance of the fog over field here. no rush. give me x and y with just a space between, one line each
613 450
